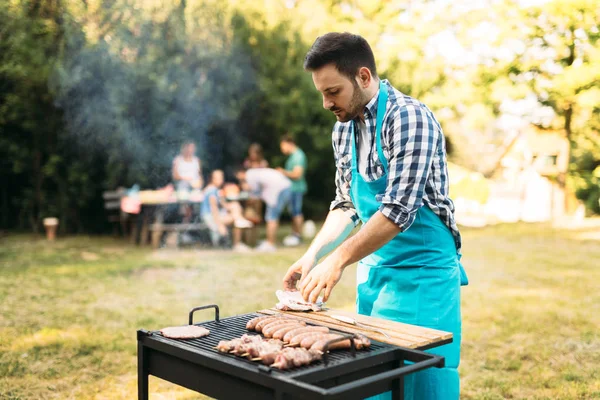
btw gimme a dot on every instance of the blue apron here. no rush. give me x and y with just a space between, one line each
415 278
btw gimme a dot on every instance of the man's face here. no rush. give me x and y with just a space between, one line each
341 96
285 148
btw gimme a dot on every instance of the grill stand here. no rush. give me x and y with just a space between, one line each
227 378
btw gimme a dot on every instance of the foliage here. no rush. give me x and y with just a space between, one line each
98 94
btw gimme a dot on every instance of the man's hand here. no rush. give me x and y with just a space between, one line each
222 230
322 277
281 170
298 270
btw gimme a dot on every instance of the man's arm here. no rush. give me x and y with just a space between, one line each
294 174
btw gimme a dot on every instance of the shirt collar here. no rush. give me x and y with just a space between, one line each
370 110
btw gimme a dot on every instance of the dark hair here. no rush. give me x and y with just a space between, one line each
288 139
347 51
239 168
257 148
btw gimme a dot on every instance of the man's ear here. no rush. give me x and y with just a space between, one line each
364 77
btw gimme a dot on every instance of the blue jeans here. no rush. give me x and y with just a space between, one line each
296 203
274 212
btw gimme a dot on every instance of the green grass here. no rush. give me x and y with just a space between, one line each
69 311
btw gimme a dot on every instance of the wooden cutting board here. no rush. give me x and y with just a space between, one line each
405 335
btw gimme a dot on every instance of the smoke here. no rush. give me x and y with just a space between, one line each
134 93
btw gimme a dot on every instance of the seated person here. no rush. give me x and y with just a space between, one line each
187 168
187 175
274 189
219 215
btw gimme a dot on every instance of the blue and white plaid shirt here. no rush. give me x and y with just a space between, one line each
414 145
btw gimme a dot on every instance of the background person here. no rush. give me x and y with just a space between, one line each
254 206
274 189
295 169
219 215
187 168
256 158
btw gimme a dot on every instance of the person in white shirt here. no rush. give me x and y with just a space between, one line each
187 168
272 187
187 175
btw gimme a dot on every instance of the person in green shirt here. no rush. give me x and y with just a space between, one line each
295 168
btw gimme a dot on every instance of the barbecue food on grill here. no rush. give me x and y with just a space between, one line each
307 342
265 351
227 346
252 323
262 323
287 337
269 330
290 358
360 342
293 301
296 340
284 329
184 332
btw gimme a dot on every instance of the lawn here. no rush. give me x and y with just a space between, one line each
69 311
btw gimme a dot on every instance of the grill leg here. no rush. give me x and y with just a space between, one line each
142 372
398 384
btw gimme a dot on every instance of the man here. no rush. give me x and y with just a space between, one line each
295 166
219 215
391 174
274 189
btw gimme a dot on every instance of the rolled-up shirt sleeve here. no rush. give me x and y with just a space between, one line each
343 176
412 143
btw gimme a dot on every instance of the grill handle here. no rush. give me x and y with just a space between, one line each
345 337
193 310
420 359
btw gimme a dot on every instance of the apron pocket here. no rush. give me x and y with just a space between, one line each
398 297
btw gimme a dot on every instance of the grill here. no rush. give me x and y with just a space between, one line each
342 374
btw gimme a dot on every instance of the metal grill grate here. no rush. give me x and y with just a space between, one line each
234 327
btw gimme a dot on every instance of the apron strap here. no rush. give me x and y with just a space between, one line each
381 106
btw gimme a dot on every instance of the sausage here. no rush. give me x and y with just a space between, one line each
309 341
320 344
283 329
360 341
250 325
269 330
262 323
305 329
296 340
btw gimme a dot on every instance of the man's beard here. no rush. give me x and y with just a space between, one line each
357 103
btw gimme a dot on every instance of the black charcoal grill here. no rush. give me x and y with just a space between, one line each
343 374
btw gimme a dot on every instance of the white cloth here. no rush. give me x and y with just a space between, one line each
267 183
188 169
